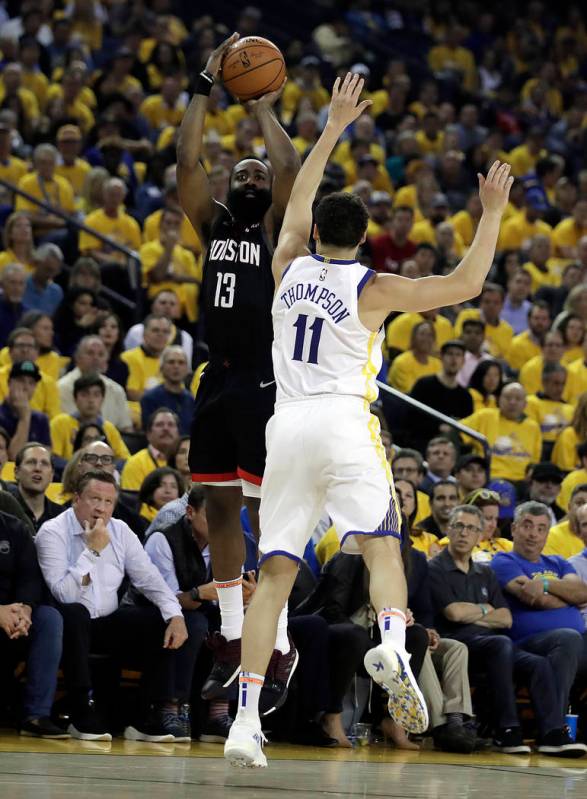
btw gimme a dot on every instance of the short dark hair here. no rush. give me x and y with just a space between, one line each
155 414
406 452
101 477
440 440
492 288
154 479
341 219
479 323
16 333
542 304
441 483
578 489
23 450
197 496
79 436
89 381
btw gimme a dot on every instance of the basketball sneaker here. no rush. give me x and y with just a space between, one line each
277 679
226 668
244 745
389 667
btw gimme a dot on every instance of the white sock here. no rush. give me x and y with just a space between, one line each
230 599
392 625
281 640
249 690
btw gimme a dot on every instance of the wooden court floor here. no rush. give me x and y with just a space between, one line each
31 769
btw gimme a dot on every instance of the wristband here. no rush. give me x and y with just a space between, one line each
545 585
204 83
484 610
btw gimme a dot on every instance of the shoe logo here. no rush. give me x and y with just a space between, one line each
378 666
264 384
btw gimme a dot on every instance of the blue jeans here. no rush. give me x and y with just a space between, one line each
563 649
41 650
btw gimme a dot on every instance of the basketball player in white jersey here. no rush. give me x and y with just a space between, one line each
323 444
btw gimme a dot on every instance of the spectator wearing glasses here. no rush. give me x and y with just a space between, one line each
472 609
33 472
490 542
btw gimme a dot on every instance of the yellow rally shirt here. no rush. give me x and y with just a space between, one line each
553 417
122 228
56 192
571 480
562 541
522 349
63 431
182 263
499 337
399 331
143 370
405 370
45 396
137 467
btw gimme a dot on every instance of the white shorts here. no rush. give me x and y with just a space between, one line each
324 453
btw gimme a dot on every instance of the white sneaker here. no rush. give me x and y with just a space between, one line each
88 736
390 668
135 734
244 745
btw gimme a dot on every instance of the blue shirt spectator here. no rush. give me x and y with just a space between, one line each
12 307
16 417
46 299
172 392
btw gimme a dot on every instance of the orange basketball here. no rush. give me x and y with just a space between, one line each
252 67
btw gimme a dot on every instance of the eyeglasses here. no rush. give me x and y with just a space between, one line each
91 457
484 494
459 527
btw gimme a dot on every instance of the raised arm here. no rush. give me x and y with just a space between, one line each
283 156
192 182
297 224
385 293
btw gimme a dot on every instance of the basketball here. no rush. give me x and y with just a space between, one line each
252 67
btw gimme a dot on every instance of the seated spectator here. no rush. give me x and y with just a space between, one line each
416 362
22 346
408 496
29 630
557 297
91 356
87 434
42 293
563 539
18 241
16 417
171 393
473 338
188 237
408 464
75 318
465 222
168 265
526 345
179 460
517 231
12 307
162 433
514 439
111 332
516 306
498 334
84 555
572 328
441 456
540 265
440 392
74 169
399 332
12 168
554 415
144 362
88 394
50 362
471 474
543 593
443 498
531 371
33 472
166 108
428 230
486 384
165 304
568 233
574 478
472 609
389 249
544 486
577 376
159 487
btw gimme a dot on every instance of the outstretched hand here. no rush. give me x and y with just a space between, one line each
494 189
216 56
345 106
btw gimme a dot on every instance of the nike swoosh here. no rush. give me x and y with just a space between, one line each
265 385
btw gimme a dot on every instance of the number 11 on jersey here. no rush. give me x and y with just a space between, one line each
316 328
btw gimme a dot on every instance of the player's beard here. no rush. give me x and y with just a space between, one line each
249 209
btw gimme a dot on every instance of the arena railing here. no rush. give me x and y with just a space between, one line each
133 264
441 417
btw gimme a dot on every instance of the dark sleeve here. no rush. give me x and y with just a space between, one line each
43 432
419 598
10 505
28 580
147 408
440 591
465 404
496 597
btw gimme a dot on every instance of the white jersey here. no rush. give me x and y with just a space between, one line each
320 345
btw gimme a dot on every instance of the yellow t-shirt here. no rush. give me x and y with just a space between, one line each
293 94
75 174
400 330
143 370
423 508
562 541
381 181
50 363
37 83
182 263
551 277
564 455
45 396
499 337
408 195
327 547
30 106
522 349
63 431
430 146
137 467
158 113
459 58
553 418
405 370
122 228
9 257
573 479
424 542
576 380
342 153
13 169
188 236
567 234
425 232
516 232
513 445
57 192
572 354
480 402
522 161
464 225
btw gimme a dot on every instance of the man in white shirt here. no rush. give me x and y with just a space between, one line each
165 303
84 555
91 356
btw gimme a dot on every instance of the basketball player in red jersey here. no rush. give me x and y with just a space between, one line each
237 391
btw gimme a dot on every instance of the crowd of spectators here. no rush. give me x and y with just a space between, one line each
102 347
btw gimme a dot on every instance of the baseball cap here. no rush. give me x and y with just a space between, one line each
69 133
507 497
546 472
467 460
25 369
453 342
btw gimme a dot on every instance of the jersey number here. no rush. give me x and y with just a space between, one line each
225 285
316 328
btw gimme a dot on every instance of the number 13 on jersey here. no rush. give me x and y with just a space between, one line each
225 287
316 327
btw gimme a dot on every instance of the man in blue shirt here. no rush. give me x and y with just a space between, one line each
172 392
579 563
16 417
543 592
41 292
